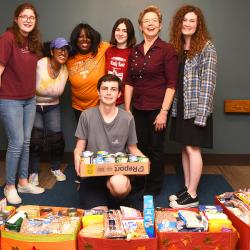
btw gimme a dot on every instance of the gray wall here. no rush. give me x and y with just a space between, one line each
227 20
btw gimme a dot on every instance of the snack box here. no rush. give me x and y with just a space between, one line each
105 169
241 227
14 240
196 240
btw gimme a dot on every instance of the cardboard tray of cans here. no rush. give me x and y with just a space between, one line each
105 169
241 227
196 240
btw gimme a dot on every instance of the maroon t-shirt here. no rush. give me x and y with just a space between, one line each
117 64
18 79
151 74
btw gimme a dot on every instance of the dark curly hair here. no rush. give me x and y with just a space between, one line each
131 41
198 39
34 37
91 33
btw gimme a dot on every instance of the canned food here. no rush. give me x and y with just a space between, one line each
142 159
109 159
132 158
102 153
120 154
98 160
87 160
87 153
121 159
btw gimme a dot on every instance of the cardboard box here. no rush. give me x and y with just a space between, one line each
13 240
241 227
109 244
105 169
196 240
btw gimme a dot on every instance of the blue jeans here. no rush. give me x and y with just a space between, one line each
18 119
48 121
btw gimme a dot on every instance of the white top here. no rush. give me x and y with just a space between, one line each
48 89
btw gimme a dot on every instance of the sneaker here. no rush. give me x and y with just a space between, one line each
30 189
185 201
12 196
60 176
33 179
178 195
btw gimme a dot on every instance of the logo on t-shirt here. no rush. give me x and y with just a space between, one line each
116 141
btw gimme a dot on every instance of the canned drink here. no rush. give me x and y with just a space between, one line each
109 159
132 158
101 153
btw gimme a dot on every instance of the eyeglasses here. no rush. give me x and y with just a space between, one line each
148 21
25 18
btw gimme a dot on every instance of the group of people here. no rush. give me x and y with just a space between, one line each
121 93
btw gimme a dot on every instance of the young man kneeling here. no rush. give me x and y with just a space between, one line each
105 127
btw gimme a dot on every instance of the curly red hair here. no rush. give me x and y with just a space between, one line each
198 39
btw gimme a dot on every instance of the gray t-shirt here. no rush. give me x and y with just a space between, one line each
112 137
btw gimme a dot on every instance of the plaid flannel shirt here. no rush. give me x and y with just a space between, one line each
199 85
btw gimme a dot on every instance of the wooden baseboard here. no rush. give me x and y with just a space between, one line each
208 159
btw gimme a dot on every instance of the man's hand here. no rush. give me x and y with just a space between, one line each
160 121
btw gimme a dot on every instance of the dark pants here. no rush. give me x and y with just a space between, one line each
151 143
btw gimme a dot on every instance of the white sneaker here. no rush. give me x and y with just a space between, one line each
12 196
33 179
60 176
30 189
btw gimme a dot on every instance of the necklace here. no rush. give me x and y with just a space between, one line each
54 72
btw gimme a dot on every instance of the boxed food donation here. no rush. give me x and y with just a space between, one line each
104 164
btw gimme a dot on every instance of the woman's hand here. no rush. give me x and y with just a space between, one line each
161 121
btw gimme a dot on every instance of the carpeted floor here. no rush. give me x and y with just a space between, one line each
65 194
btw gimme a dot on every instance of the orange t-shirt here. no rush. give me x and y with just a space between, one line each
84 73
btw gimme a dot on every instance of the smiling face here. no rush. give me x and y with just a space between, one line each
26 21
60 56
121 35
83 42
150 25
109 92
189 24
